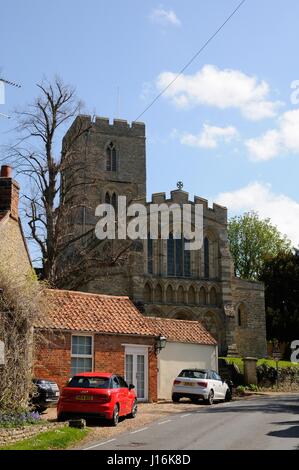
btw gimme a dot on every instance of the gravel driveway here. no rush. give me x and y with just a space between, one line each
147 412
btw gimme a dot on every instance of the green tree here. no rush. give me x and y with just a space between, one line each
281 278
252 242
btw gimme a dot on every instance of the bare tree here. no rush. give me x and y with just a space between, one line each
22 304
38 155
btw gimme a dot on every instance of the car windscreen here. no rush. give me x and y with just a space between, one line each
193 374
89 382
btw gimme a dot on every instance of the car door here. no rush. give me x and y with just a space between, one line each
124 390
118 394
220 386
215 384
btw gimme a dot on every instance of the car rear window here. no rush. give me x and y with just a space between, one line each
90 382
193 374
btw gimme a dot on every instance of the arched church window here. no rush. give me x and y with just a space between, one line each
107 198
170 256
149 255
178 259
114 201
239 317
213 296
169 295
206 248
111 157
147 293
158 294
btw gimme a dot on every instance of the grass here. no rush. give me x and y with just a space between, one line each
50 440
270 362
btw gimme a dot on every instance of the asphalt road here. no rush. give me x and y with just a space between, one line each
255 423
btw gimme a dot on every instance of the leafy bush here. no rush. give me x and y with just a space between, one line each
240 390
252 387
13 419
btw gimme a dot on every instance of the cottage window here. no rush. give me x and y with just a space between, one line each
81 360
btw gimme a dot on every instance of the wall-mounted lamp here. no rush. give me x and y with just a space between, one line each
160 343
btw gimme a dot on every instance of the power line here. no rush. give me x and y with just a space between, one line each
191 60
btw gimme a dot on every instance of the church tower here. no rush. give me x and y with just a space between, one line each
106 161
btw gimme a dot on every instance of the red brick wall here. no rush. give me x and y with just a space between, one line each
53 357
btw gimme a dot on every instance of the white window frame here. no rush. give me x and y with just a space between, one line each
85 356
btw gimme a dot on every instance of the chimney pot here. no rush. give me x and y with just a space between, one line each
6 171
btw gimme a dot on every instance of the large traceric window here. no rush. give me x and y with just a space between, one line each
178 259
150 266
81 360
206 247
111 157
111 199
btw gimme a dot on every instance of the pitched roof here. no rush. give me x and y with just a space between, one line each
182 331
108 314
80 311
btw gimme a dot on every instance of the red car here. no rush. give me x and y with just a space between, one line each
97 394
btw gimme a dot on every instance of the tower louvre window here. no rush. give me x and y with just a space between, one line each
111 157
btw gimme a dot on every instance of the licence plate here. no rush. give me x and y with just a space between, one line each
188 384
84 397
56 394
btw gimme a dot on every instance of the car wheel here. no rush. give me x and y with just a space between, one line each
40 409
134 410
210 399
228 395
115 416
61 417
175 398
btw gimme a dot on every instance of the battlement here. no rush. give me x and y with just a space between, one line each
177 196
120 126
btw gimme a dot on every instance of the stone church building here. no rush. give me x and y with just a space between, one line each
161 277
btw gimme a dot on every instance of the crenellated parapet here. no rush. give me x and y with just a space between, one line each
215 213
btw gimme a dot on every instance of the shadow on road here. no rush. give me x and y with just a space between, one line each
261 405
292 431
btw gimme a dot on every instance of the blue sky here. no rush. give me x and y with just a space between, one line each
227 128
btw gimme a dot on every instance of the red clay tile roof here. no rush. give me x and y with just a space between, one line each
182 331
80 311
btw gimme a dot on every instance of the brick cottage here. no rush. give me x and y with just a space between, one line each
86 332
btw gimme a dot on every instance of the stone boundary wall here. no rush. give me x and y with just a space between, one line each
287 377
12 435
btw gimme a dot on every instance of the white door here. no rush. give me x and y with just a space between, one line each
136 370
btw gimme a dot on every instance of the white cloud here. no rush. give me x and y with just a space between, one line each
281 209
220 88
285 138
164 17
209 137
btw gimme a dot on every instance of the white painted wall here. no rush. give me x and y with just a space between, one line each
177 356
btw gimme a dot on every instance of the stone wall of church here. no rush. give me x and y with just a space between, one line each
250 320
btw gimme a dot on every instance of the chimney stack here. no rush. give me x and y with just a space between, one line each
9 193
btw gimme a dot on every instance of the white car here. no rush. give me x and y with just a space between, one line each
202 384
